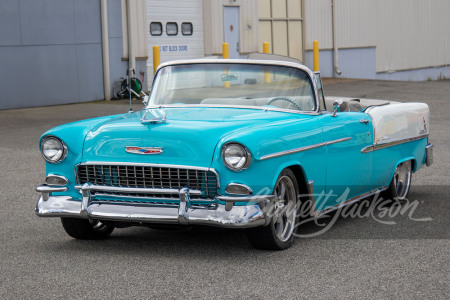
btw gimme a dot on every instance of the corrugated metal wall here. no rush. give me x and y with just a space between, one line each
407 34
51 52
281 24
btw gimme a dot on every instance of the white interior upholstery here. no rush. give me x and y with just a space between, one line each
305 102
355 104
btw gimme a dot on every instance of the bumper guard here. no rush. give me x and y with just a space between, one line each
228 215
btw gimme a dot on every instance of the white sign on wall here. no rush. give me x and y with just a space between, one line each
174 48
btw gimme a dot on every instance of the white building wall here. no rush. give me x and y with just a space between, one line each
214 28
178 11
407 34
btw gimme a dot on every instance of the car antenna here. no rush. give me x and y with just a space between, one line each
129 89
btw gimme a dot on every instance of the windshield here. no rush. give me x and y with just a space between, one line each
224 84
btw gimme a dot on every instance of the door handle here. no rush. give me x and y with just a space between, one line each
364 121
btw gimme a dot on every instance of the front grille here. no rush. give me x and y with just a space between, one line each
149 177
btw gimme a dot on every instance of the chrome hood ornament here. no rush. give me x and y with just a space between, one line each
144 150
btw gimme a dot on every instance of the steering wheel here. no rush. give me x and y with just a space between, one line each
285 99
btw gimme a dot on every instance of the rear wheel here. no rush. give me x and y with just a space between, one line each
87 229
401 182
279 234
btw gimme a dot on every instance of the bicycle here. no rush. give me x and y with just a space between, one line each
136 89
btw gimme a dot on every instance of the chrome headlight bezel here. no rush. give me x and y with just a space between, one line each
61 147
245 154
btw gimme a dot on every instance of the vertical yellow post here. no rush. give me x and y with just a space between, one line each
225 55
156 58
316 55
266 73
266 47
225 51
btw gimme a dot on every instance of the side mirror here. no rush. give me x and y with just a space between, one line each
337 107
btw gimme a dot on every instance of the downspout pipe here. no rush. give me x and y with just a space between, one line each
105 49
131 54
333 27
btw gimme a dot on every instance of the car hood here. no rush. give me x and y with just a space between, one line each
188 137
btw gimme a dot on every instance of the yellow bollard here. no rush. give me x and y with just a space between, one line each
225 55
266 73
316 55
225 51
156 58
266 47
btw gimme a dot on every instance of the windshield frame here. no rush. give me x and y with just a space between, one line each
241 62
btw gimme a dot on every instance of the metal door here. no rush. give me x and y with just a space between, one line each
231 29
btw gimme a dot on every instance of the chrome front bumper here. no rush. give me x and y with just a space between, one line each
228 215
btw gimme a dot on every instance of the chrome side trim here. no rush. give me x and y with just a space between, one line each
305 148
390 144
350 201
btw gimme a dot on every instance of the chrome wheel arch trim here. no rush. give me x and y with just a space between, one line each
305 148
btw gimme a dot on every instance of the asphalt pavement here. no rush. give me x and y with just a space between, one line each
359 257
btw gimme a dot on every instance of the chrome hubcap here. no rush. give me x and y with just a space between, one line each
402 179
285 213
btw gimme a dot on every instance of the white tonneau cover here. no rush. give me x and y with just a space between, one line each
392 120
400 121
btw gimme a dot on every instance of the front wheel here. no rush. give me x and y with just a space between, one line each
279 234
84 229
401 182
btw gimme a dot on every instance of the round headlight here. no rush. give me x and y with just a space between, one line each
53 149
236 157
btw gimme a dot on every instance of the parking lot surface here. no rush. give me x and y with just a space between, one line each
357 258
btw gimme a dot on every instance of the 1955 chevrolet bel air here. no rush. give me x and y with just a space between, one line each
230 143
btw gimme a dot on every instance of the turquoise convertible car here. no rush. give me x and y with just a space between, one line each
230 143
